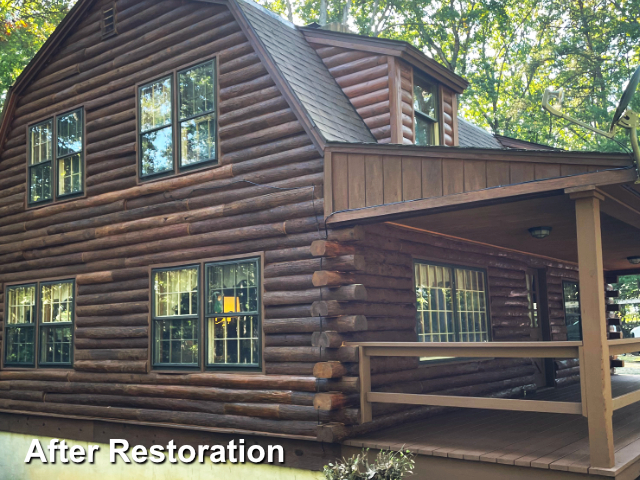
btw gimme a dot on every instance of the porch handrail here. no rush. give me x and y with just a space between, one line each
481 350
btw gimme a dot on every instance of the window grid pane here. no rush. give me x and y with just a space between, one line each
232 289
435 306
40 142
472 313
69 133
439 319
40 182
197 114
175 312
21 303
70 175
56 344
20 344
155 105
56 303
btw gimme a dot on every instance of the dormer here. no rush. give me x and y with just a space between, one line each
402 95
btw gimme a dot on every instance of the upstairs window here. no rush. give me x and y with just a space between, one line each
40 324
452 304
425 106
165 150
56 163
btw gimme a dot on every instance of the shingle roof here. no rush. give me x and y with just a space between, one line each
310 81
470 135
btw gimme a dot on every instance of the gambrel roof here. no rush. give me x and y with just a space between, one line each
313 93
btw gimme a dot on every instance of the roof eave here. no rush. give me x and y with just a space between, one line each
396 48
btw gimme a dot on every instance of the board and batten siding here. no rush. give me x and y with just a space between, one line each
366 179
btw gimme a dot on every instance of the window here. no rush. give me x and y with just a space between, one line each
572 316
56 164
231 313
43 323
195 120
109 21
452 304
425 106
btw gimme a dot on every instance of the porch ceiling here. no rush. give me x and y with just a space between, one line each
506 225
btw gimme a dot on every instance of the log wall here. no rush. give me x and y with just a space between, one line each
364 78
265 196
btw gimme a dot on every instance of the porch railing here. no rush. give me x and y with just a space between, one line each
486 350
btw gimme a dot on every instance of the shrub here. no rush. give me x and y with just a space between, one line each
388 465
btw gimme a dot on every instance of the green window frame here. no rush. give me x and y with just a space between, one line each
176 317
211 320
177 121
56 158
452 303
572 313
40 324
425 112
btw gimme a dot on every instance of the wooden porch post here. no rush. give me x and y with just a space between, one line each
596 369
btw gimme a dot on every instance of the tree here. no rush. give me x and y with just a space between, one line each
24 26
510 51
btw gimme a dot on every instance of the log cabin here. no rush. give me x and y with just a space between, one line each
215 224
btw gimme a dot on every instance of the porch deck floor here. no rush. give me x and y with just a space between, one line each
539 440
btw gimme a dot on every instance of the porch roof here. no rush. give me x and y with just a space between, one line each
486 195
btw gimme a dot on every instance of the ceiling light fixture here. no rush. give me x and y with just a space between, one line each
635 259
540 232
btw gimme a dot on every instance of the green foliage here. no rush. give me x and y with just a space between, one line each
629 288
510 51
24 26
388 465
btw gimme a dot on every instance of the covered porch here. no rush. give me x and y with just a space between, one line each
485 443
492 199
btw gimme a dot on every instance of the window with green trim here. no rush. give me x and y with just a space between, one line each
40 324
226 313
165 150
451 303
56 163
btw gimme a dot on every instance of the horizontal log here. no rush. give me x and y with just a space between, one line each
345 293
135 320
112 309
112 332
109 354
310 354
110 366
105 343
113 298
292 282
119 286
329 370
288 340
167 416
313 324
112 276
333 308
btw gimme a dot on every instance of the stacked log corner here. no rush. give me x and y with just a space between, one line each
614 321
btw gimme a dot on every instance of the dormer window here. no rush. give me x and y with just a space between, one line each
425 102
109 21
